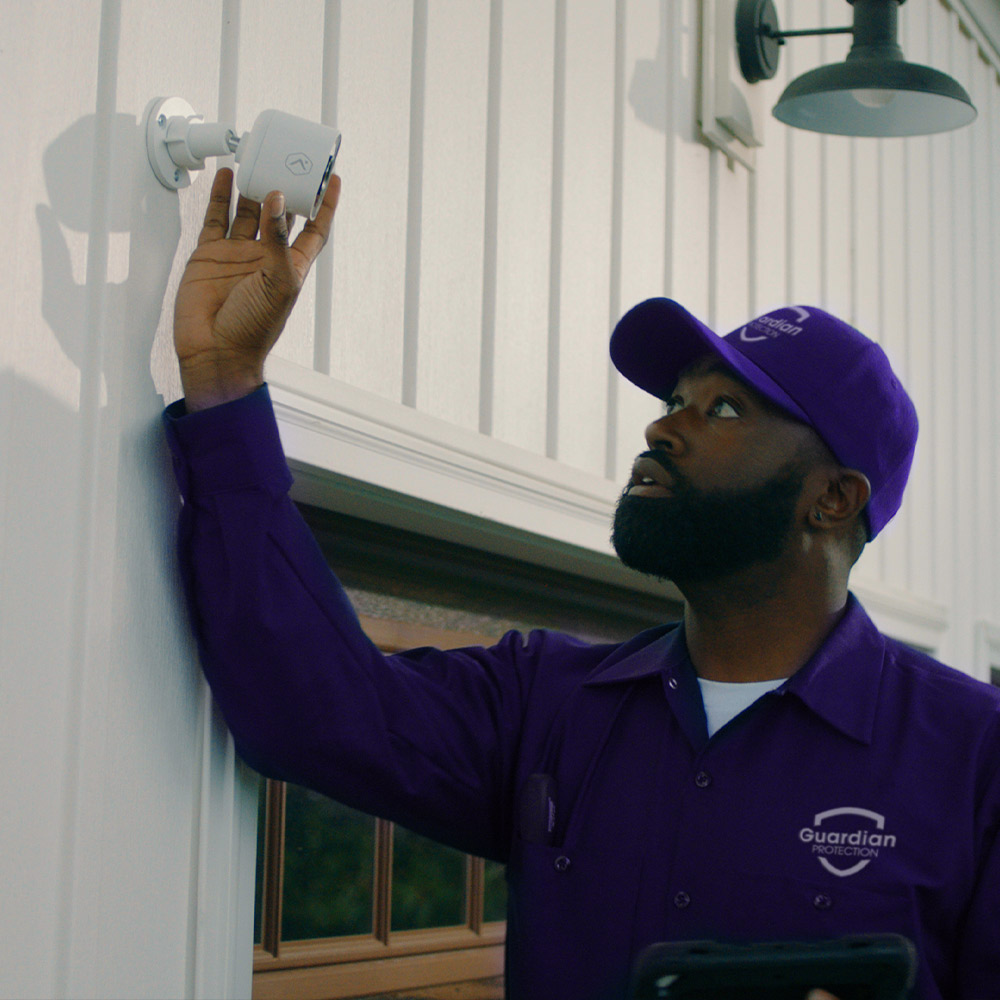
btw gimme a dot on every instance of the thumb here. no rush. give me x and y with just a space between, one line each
274 242
273 222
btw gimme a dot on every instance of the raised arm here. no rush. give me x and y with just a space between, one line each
424 738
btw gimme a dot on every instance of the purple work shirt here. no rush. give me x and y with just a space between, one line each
863 795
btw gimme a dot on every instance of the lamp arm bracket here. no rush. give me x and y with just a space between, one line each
768 32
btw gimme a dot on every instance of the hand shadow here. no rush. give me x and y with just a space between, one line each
94 502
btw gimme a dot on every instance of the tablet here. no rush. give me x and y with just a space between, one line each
859 967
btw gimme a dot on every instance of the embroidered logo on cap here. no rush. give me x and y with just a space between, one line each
847 839
771 327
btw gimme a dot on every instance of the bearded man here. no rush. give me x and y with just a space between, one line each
771 767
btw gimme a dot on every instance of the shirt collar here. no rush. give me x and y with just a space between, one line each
839 683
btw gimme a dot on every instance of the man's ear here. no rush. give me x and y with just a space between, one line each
846 494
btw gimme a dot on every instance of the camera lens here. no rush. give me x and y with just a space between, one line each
325 182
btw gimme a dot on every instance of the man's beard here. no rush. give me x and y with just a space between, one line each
697 535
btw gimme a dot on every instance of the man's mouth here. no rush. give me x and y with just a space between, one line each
650 478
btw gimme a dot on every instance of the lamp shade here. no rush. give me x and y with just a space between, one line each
875 97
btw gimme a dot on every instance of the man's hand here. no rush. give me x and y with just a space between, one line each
238 290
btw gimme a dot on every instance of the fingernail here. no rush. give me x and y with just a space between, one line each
278 206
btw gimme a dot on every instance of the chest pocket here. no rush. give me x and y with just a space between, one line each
572 900
593 755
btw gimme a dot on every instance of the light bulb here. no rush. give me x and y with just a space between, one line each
872 98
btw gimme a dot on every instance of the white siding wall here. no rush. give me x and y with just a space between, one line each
516 174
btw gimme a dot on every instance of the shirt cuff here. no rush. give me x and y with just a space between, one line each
226 448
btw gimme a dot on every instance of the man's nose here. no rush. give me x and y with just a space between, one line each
667 434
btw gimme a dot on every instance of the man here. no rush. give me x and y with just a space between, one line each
771 767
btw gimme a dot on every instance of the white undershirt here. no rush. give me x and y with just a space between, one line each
725 701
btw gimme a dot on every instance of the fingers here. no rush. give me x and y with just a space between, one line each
269 220
274 239
316 231
246 220
216 224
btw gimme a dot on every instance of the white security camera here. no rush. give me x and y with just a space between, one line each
281 152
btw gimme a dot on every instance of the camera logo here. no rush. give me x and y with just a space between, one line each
298 163
847 838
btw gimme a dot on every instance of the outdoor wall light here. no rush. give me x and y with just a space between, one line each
875 91
281 152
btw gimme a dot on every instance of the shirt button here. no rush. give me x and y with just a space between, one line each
672 684
681 900
822 901
703 779
561 863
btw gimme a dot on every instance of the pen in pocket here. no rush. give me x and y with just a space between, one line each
538 809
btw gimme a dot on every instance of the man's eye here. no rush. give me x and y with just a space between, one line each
673 404
723 408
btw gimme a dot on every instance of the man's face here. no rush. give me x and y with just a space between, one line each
719 489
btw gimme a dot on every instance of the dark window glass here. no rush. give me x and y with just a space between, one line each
428 883
495 892
329 868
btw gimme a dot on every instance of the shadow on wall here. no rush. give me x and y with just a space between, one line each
103 630
665 83
137 205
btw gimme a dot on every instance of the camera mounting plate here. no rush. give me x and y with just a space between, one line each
159 111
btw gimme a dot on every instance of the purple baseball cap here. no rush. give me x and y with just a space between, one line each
817 368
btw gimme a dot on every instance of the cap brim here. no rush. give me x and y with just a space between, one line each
657 339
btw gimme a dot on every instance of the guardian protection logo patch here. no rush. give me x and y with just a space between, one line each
770 327
848 839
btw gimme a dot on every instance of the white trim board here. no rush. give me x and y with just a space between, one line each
904 616
987 650
357 453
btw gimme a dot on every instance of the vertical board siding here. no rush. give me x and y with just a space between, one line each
323 268
688 199
584 276
983 446
453 196
731 241
136 651
369 266
944 345
283 71
891 324
556 232
614 383
803 151
990 407
768 278
524 193
963 332
916 328
647 113
42 347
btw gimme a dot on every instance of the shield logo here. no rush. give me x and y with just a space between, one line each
862 839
